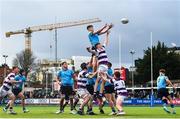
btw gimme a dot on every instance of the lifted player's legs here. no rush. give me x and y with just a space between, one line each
96 86
102 84
94 63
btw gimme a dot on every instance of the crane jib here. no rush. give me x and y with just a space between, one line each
27 31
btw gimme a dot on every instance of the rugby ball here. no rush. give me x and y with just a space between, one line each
124 21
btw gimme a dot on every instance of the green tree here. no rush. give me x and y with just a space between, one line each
162 58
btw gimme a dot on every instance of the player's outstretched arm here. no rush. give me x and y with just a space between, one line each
14 81
100 30
106 41
105 31
170 83
57 79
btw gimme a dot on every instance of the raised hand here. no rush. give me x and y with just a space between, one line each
111 25
108 32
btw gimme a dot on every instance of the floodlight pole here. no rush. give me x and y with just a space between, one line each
152 92
46 83
132 52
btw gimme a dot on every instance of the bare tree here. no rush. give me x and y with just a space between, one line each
25 60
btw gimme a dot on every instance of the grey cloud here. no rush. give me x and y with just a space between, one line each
161 17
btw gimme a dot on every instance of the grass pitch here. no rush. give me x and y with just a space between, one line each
49 112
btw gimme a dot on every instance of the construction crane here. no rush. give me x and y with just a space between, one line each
28 31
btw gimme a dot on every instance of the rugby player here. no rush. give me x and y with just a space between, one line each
94 39
109 91
6 88
82 91
120 88
102 64
90 88
64 78
18 90
163 93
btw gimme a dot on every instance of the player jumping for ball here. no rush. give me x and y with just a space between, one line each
163 93
94 39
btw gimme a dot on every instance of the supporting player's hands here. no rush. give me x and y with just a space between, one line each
103 76
59 82
20 81
88 49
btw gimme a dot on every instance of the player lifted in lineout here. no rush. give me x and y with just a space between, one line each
102 64
94 39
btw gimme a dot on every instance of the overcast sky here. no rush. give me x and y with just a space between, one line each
162 17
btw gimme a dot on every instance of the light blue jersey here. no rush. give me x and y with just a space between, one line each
110 73
93 38
20 78
66 77
92 80
99 86
161 81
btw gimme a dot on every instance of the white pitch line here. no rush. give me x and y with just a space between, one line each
118 117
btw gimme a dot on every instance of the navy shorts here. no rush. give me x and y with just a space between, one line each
109 89
163 92
16 91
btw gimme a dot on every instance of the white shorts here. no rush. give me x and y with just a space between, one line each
83 93
103 68
4 93
121 97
